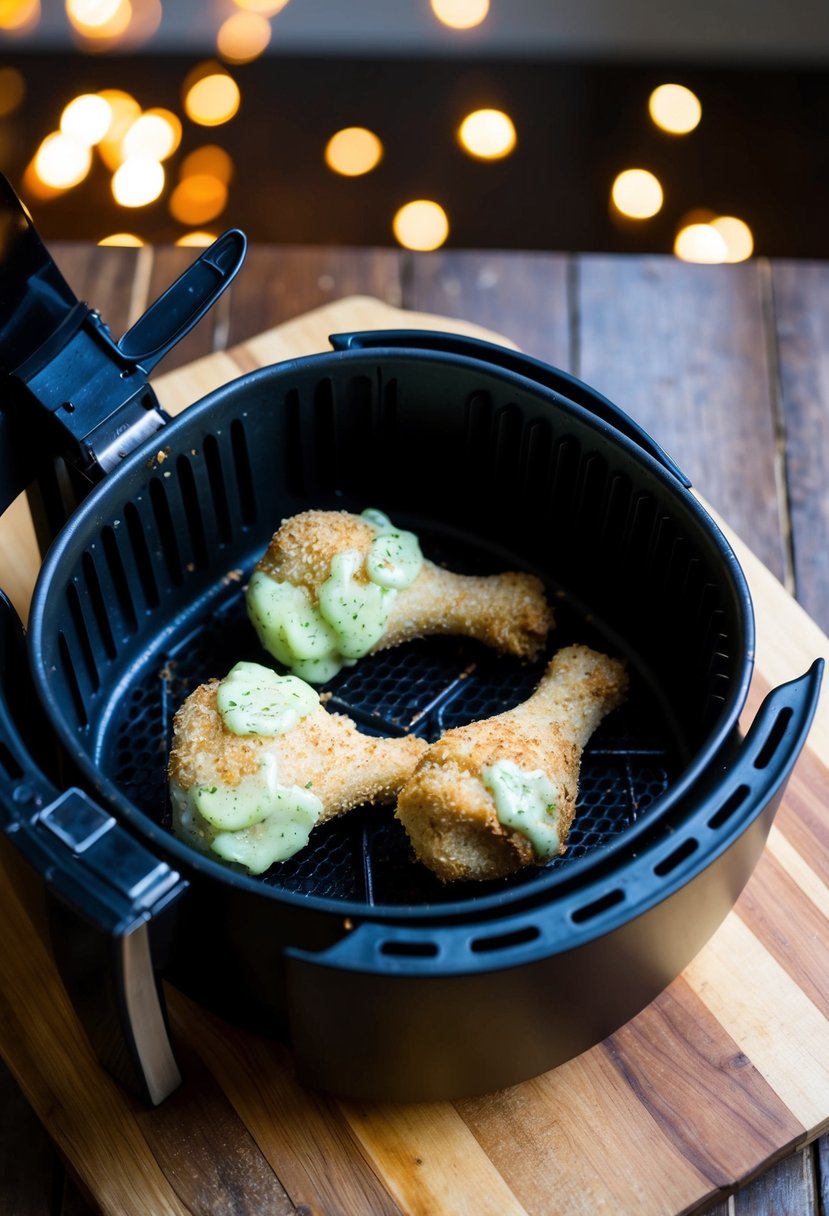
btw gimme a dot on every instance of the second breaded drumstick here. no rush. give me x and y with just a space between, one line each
257 762
491 797
334 586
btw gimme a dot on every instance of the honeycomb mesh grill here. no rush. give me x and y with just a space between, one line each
426 687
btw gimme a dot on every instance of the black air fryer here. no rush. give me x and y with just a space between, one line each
384 982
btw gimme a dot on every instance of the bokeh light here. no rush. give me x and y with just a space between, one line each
675 108
637 193
700 243
738 237
211 96
125 110
268 8
19 16
12 90
421 225
86 119
210 159
61 162
198 198
460 14
353 151
155 133
487 134
99 19
138 181
243 37
197 239
127 240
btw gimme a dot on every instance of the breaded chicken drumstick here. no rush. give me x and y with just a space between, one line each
491 797
257 762
334 586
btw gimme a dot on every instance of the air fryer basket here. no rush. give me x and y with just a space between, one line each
386 982
130 615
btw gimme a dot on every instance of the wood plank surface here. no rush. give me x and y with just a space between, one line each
705 391
727 1070
801 332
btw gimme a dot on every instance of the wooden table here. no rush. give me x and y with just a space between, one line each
728 367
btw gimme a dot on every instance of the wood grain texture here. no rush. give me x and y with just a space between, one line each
724 1072
704 392
29 1171
801 315
523 297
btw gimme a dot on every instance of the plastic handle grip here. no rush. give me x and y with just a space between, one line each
185 302
109 902
512 361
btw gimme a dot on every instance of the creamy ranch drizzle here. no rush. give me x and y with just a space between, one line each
257 821
526 802
316 640
253 700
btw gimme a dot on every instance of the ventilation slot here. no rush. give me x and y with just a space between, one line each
730 805
192 509
82 636
402 949
566 458
96 599
598 906
615 522
680 854
141 555
591 495
774 738
642 524
244 474
166 530
324 444
537 464
505 941
72 680
356 436
218 490
478 427
505 463
119 580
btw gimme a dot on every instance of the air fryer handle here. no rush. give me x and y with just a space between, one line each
183 304
542 374
109 903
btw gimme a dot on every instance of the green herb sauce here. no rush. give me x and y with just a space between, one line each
526 802
314 641
253 700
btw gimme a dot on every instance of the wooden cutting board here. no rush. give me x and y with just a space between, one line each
727 1070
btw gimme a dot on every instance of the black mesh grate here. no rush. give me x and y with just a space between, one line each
427 687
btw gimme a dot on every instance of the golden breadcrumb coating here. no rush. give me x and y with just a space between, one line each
450 815
508 611
323 752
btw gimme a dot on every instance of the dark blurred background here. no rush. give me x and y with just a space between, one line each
252 91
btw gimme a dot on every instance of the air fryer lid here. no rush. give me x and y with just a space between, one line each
497 461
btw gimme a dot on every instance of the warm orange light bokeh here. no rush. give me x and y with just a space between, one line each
353 151
211 96
460 14
637 193
421 225
487 134
198 198
12 90
243 37
210 159
19 16
138 182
